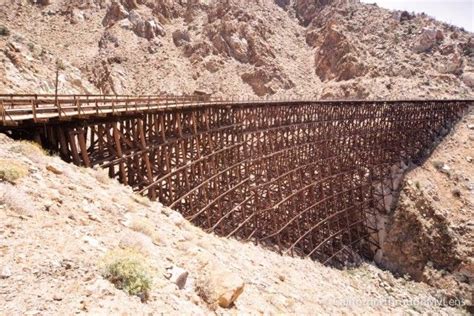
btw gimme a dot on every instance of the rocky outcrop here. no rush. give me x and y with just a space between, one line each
452 64
306 10
427 39
232 34
336 58
146 27
265 80
115 12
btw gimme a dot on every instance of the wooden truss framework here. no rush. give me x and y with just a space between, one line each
295 176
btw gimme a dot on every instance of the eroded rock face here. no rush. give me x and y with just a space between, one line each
336 58
419 234
306 10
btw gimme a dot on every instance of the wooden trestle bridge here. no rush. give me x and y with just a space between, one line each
307 177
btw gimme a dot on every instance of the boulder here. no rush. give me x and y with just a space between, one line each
468 79
282 3
447 49
148 28
452 65
239 47
54 169
402 16
5 273
336 58
427 39
108 38
115 12
178 276
219 286
181 37
77 16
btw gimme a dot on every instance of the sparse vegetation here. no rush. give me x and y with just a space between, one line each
11 171
4 31
145 226
129 271
28 148
141 200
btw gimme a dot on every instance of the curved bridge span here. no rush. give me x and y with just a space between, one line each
306 177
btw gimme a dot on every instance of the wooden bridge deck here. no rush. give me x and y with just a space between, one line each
17 109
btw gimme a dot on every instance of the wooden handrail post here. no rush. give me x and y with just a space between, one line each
2 112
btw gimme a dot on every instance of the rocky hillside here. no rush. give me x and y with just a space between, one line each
430 235
59 223
319 49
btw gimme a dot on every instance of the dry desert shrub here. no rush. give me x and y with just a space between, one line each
11 171
129 271
29 149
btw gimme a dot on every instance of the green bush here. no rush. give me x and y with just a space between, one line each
129 271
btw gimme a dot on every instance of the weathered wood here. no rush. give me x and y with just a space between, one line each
304 176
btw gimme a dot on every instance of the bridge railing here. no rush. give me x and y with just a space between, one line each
14 108
35 108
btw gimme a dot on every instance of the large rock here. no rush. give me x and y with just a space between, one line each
219 286
146 28
453 65
427 39
468 79
115 12
181 37
336 58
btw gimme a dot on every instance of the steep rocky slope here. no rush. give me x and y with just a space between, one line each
329 49
431 233
58 221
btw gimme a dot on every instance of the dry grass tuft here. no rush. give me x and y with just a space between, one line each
145 226
11 171
129 271
141 200
29 149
